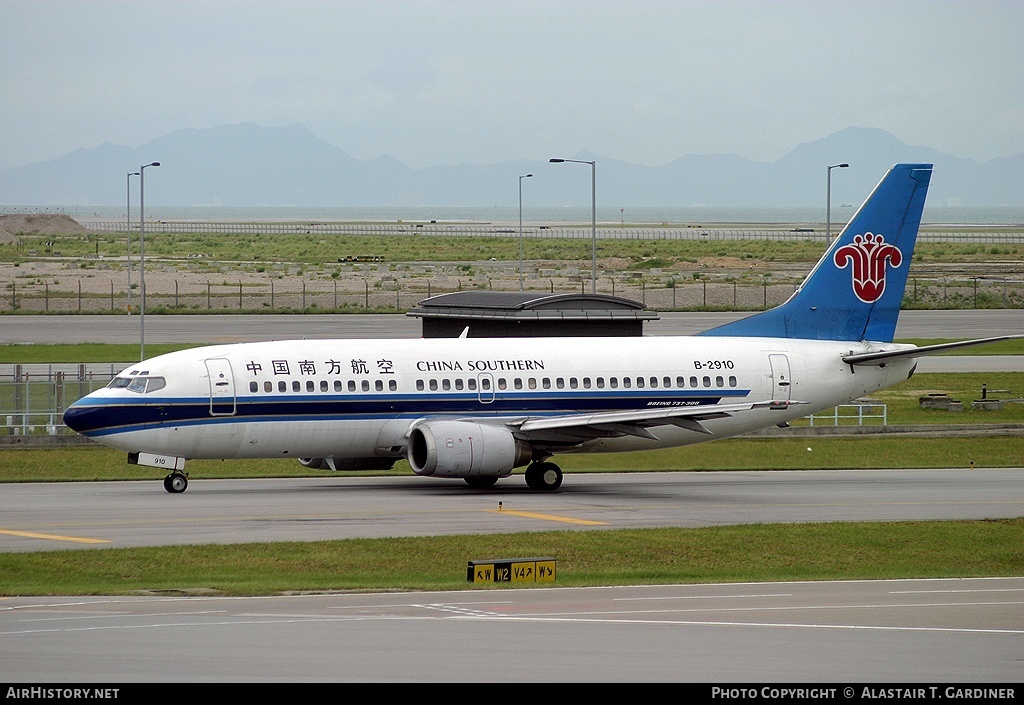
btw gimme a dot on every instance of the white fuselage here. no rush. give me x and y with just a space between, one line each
359 398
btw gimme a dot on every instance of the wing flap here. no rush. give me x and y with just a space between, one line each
636 422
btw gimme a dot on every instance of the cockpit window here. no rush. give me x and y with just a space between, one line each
139 385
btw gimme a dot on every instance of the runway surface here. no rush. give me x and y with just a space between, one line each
844 635
87 515
216 328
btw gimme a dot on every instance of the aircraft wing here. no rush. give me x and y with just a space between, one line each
634 422
881 357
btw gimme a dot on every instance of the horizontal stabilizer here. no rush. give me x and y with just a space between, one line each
883 356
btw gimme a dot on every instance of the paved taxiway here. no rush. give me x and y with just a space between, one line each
922 632
215 328
60 516
218 328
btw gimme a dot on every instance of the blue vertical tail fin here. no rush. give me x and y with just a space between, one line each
855 290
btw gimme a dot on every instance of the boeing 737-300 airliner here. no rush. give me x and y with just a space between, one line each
477 408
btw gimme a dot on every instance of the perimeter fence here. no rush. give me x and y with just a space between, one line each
33 397
981 236
396 290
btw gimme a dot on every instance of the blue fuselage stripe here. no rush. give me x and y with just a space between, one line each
105 416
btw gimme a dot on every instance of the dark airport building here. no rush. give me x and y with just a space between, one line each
504 314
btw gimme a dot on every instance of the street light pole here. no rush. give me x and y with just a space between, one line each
828 202
142 258
128 182
593 216
525 176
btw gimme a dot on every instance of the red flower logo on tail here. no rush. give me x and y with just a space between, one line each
867 256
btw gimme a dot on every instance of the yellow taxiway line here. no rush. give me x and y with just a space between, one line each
51 537
549 517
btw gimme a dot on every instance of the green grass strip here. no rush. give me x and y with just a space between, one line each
746 553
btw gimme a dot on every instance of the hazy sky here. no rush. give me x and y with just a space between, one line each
453 82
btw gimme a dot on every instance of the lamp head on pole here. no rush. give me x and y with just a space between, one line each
557 160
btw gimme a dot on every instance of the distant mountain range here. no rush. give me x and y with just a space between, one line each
249 165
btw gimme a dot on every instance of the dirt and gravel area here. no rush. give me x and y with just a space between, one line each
46 281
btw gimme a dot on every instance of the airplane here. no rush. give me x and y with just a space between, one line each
478 408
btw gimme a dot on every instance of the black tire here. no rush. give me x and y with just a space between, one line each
545 477
176 483
481 482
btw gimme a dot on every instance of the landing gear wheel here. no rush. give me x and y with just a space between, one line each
544 476
481 482
176 483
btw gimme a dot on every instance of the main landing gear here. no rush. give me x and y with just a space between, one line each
176 482
544 476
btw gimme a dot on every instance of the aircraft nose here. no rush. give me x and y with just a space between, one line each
77 416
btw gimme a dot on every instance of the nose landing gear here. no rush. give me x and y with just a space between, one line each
176 482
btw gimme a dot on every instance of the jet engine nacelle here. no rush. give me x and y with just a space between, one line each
335 463
464 449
